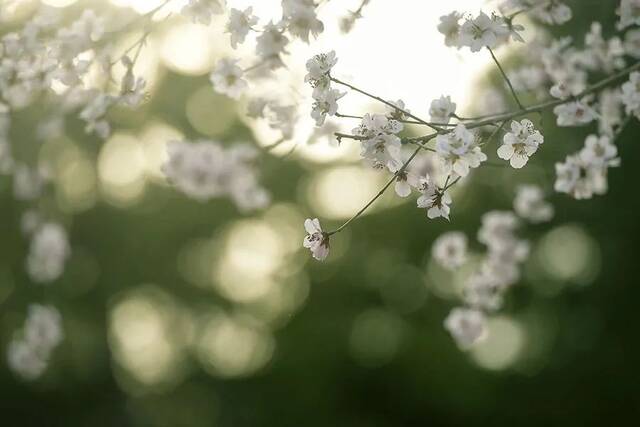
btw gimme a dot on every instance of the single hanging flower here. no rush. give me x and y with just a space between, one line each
227 78
450 250
316 240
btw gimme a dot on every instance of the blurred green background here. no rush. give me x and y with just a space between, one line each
179 313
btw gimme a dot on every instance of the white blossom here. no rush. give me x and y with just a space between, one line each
467 326
553 12
505 251
256 108
631 94
483 31
380 145
564 65
132 92
205 170
560 90
503 266
382 150
450 27
319 67
24 360
482 291
300 17
227 78
520 144
450 250
629 13
316 240
29 352
574 114
498 228
271 44
201 11
579 178
239 24
530 78
435 200
442 109
48 253
599 151
377 124
632 43
282 118
609 111
405 178
43 327
325 103
398 111
601 54
459 151
531 205
94 114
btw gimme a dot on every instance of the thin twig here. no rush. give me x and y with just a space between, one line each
377 196
504 74
390 104
409 122
494 133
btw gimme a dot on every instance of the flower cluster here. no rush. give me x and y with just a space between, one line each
631 94
584 174
601 54
381 146
497 271
629 13
459 151
29 352
299 21
205 170
476 33
560 68
530 204
40 58
324 96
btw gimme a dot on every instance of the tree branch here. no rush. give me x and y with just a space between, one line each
390 104
504 74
